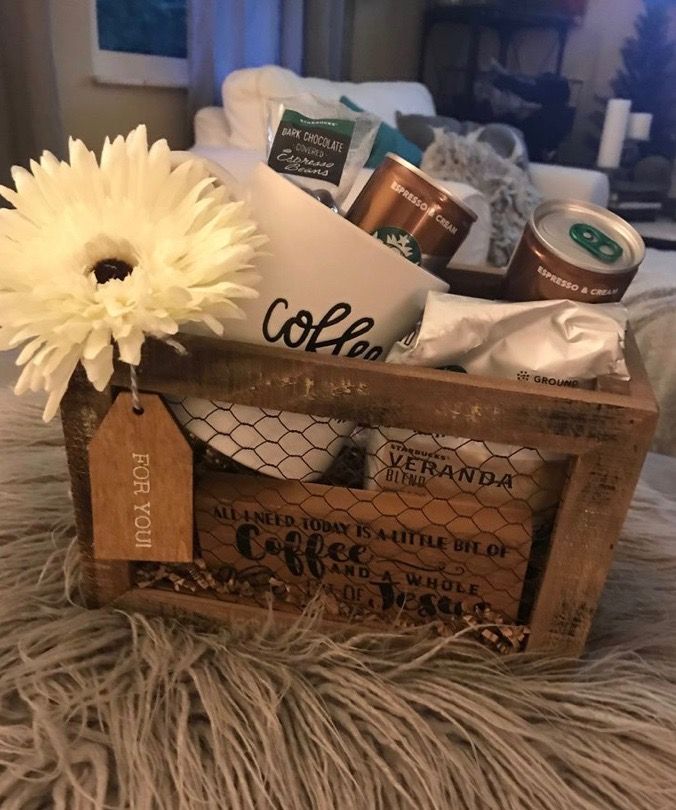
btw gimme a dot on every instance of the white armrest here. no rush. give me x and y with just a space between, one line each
569 182
211 128
240 163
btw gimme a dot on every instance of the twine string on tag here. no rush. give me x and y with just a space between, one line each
133 385
133 375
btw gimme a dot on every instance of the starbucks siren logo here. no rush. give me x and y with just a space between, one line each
400 240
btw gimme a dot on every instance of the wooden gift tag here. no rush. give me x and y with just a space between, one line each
141 481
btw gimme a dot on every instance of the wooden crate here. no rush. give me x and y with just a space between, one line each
606 433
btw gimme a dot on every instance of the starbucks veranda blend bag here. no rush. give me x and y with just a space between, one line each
553 343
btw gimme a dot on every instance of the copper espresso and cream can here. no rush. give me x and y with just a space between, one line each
574 250
411 213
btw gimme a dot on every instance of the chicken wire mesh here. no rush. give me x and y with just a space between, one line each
376 523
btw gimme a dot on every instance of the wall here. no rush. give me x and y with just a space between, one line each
593 58
386 45
591 61
91 110
386 39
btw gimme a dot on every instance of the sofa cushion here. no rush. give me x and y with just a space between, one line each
245 93
388 139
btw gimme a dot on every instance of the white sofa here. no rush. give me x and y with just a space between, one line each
234 136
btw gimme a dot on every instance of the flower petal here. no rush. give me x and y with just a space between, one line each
97 340
130 347
190 245
99 369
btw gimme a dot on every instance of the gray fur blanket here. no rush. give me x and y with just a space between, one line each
105 710
508 189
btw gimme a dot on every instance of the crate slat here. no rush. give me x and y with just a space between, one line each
565 420
606 434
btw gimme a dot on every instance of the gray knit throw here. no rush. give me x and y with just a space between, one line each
508 189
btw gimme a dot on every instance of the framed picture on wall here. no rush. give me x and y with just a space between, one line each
140 42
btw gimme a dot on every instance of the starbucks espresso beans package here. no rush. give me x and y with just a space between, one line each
319 144
553 343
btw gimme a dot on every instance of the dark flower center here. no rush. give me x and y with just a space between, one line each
109 269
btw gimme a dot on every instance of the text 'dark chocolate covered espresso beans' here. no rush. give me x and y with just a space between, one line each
573 250
411 213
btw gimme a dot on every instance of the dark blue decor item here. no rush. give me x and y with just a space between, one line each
388 139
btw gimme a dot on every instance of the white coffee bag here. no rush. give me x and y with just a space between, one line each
560 343
554 343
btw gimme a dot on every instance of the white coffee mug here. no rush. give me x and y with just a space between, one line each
326 286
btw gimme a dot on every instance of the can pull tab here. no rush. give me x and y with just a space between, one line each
595 242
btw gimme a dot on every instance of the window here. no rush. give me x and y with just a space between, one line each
140 42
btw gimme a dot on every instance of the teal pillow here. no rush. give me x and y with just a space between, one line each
388 139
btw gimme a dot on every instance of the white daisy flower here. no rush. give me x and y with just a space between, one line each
95 254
